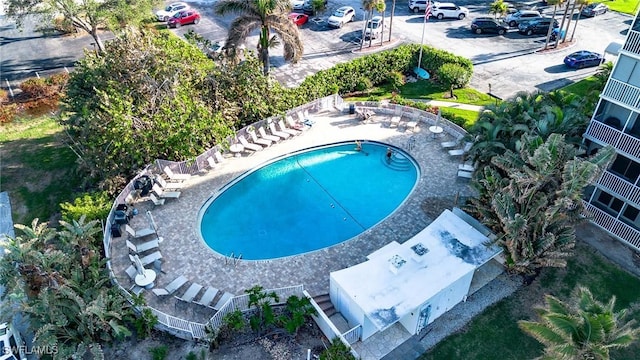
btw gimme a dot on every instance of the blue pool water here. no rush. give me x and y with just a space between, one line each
307 201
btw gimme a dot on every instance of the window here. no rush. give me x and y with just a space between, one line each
626 168
630 217
608 203
624 68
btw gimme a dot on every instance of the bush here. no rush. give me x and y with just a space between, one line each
35 88
4 96
145 323
8 112
337 350
159 352
95 206
453 76
395 79
364 84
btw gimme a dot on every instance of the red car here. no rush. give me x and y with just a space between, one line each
184 17
299 19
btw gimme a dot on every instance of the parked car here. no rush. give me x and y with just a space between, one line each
594 9
299 19
373 28
514 7
170 10
308 7
583 58
448 10
342 16
297 4
488 25
540 26
419 5
184 17
521 16
13 346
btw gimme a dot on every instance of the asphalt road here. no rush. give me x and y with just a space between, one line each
509 63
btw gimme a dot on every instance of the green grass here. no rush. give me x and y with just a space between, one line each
582 87
38 169
623 6
470 116
495 331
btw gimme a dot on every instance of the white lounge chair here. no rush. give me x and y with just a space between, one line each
448 144
293 124
280 134
165 194
460 152
248 145
148 259
223 300
172 287
139 234
218 156
167 185
191 293
465 174
259 141
212 162
284 128
145 246
176 177
155 200
264 135
208 296
412 125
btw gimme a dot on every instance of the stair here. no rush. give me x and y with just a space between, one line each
398 162
324 302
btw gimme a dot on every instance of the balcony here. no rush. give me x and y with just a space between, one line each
620 186
616 227
606 134
633 42
622 92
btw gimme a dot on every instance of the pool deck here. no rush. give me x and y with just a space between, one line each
184 253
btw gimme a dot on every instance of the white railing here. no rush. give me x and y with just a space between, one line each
630 145
354 335
603 132
620 186
614 226
633 42
622 92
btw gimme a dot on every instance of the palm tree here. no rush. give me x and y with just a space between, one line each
582 3
393 10
582 328
266 15
369 6
555 4
498 7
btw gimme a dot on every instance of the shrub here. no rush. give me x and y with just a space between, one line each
4 96
337 350
453 76
145 323
159 352
35 88
95 206
8 112
395 79
364 84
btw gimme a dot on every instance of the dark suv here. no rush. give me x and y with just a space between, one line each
537 26
488 25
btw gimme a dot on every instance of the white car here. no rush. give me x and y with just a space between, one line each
449 10
297 4
13 346
170 10
342 16
374 28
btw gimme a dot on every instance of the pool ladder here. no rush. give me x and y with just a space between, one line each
233 261
411 143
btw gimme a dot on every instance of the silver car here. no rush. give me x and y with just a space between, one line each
342 16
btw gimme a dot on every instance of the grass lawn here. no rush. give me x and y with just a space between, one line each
470 116
582 87
623 6
495 333
37 170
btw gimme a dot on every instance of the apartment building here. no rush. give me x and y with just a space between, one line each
613 202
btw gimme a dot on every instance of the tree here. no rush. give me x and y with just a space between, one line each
318 6
453 76
369 6
582 328
582 3
531 199
261 301
267 16
555 4
87 15
393 11
498 7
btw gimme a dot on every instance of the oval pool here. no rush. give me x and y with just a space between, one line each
306 201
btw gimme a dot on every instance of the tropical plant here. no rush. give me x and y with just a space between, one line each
159 352
498 8
337 350
369 6
296 312
555 4
92 205
531 199
267 16
261 302
318 6
580 328
582 3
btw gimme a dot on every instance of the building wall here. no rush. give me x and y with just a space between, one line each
613 201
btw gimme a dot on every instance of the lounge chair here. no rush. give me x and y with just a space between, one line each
218 156
145 246
264 135
293 124
165 194
131 272
191 293
248 145
167 185
465 174
155 200
139 234
284 128
448 144
212 162
259 141
460 152
172 287
176 177
280 134
223 300
395 121
304 117
466 167
149 259
208 296
412 125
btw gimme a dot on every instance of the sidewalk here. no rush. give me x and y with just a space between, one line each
450 104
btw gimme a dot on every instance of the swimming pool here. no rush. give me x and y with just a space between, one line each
306 201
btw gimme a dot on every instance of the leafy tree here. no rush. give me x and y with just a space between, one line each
531 199
318 6
582 328
267 16
498 8
87 15
453 76
94 206
296 312
261 301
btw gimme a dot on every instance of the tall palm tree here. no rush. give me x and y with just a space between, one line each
369 6
393 10
582 3
555 4
582 328
267 16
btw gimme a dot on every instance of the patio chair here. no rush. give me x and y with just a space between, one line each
280 134
465 174
259 141
264 135
297 125
223 300
155 200
411 125
167 185
448 144
284 128
191 293
208 296
308 121
149 259
139 234
145 246
212 162
172 287
131 272
165 194
248 145
176 177
463 151
218 156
